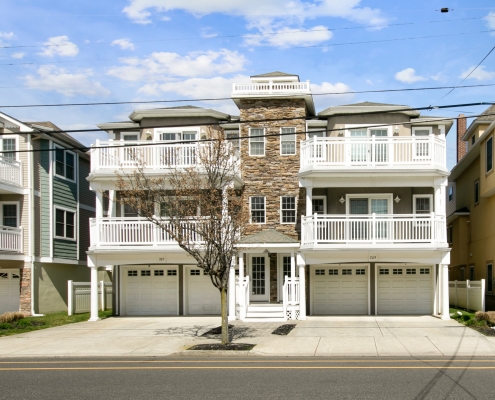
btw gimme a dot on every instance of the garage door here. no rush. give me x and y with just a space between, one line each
9 290
405 290
151 290
202 296
340 290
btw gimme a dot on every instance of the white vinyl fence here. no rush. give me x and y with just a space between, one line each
79 296
467 294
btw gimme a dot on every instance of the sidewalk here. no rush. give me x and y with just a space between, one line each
418 336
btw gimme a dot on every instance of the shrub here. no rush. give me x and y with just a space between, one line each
24 322
5 325
9 317
488 316
466 317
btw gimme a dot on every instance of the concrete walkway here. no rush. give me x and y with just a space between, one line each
317 336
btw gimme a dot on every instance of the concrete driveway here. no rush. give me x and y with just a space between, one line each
317 336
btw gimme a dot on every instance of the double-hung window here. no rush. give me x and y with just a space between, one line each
64 163
489 154
422 204
9 148
258 209
288 209
256 142
233 137
9 215
288 141
65 224
476 192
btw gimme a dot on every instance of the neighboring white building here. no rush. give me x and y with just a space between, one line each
347 209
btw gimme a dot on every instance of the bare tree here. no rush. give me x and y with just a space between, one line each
197 206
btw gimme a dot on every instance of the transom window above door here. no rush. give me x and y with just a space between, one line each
177 135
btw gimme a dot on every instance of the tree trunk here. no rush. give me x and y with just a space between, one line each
225 316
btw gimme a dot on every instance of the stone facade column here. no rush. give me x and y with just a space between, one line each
25 288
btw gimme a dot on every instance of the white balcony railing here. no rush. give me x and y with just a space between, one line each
135 232
112 155
373 229
10 239
376 152
10 171
271 88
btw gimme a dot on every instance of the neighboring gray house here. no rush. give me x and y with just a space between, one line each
45 207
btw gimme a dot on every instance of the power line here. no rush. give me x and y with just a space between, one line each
467 76
229 98
250 35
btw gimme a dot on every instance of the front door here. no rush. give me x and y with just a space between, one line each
259 273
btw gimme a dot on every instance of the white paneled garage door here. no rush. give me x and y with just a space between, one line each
9 290
202 296
404 289
151 290
340 290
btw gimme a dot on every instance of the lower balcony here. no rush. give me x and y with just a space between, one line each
10 239
135 231
376 230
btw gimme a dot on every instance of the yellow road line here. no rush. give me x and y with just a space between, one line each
236 367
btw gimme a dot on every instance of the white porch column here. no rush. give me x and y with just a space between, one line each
302 287
292 265
94 290
445 291
112 210
99 204
232 290
309 201
241 267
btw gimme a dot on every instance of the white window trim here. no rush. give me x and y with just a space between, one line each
295 210
130 133
295 140
264 144
16 137
486 155
236 142
422 128
251 215
57 147
179 130
309 131
350 127
388 196
16 203
415 196
57 207
324 202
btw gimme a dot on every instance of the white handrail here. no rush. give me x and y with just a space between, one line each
375 228
10 239
290 294
10 171
271 88
376 152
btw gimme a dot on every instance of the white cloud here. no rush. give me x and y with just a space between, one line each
286 37
6 36
331 99
51 78
490 21
208 33
124 44
18 55
162 65
481 74
59 46
369 82
264 15
408 75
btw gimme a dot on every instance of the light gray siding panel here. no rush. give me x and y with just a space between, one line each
64 192
45 198
37 226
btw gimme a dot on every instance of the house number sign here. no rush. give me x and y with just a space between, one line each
373 258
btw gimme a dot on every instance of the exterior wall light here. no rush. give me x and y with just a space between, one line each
396 129
397 199
342 200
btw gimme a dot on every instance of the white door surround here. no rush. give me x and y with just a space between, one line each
340 289
259 273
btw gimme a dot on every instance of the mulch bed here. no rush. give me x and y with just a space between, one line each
217 331
284 330
485 330
219 346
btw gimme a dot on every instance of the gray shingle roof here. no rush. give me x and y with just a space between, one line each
484 117
274 73
268 236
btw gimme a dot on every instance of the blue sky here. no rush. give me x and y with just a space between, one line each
135 50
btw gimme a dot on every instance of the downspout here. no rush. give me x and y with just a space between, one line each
32 233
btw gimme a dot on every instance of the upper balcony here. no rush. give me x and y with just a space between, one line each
10 173
355 154
373 231
157 158
10 239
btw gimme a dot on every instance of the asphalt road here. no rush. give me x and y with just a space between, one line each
248 378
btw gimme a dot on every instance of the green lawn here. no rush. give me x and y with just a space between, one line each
48 321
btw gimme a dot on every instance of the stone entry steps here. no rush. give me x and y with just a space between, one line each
259 312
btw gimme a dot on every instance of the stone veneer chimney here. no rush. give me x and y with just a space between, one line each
461 130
